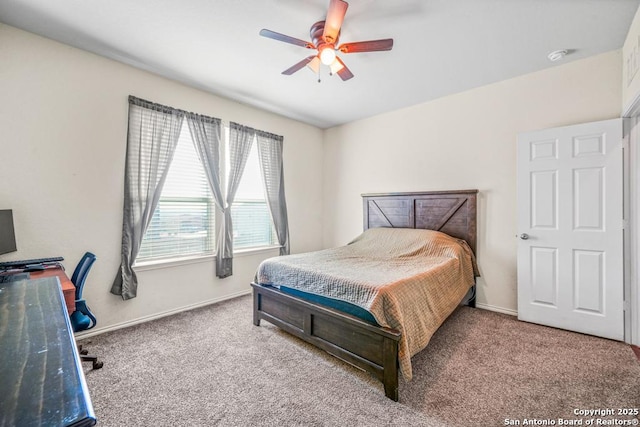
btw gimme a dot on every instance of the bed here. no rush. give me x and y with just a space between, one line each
384 343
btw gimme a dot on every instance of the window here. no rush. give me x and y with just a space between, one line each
183 224
252 224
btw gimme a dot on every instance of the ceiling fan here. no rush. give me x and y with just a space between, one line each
325 35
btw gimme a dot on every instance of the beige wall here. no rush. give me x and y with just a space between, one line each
464 141
63 121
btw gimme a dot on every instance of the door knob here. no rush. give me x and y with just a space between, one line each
524 236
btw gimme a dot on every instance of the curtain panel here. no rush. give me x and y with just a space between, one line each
271 165
206 133
240 141
152 137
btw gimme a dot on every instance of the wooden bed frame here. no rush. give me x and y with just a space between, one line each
362 344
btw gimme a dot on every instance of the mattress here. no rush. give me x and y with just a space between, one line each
410 280
337 304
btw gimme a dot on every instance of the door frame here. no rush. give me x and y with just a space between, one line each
629 240
631 152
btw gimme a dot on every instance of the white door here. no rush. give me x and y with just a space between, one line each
570 228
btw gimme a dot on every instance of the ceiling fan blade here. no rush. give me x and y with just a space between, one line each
298 66
335 16
284 38
368 46
344 72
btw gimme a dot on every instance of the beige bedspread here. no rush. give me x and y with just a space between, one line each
410 280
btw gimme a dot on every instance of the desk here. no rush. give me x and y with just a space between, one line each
42 382
68 289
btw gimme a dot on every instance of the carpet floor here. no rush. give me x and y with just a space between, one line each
211 366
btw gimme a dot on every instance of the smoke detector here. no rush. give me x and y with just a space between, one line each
557 55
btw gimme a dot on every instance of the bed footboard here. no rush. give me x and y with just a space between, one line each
371 348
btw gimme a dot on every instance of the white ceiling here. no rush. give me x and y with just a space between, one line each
440 46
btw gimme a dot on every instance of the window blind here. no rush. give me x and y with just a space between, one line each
252 225
184 221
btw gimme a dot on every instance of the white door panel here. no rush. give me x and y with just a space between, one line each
570 254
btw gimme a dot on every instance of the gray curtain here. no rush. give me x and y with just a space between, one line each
240 141
206 133
151 142
270 153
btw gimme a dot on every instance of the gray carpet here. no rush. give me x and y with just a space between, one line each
211 366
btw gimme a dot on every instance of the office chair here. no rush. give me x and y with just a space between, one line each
81 272
82 318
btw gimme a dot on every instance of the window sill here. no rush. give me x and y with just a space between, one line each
255 251
175 262
172 262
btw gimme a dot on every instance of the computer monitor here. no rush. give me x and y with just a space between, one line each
7 233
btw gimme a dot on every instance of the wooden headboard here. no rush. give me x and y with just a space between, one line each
452 212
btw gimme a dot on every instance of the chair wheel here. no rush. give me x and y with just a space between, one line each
97 365
84 351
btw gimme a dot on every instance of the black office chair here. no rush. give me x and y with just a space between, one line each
82 318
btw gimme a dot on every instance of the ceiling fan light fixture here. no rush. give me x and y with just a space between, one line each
336 66
314 65
327 55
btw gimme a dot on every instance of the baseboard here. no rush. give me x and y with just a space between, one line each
98 331
496 309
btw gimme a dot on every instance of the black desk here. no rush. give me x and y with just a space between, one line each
41 378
